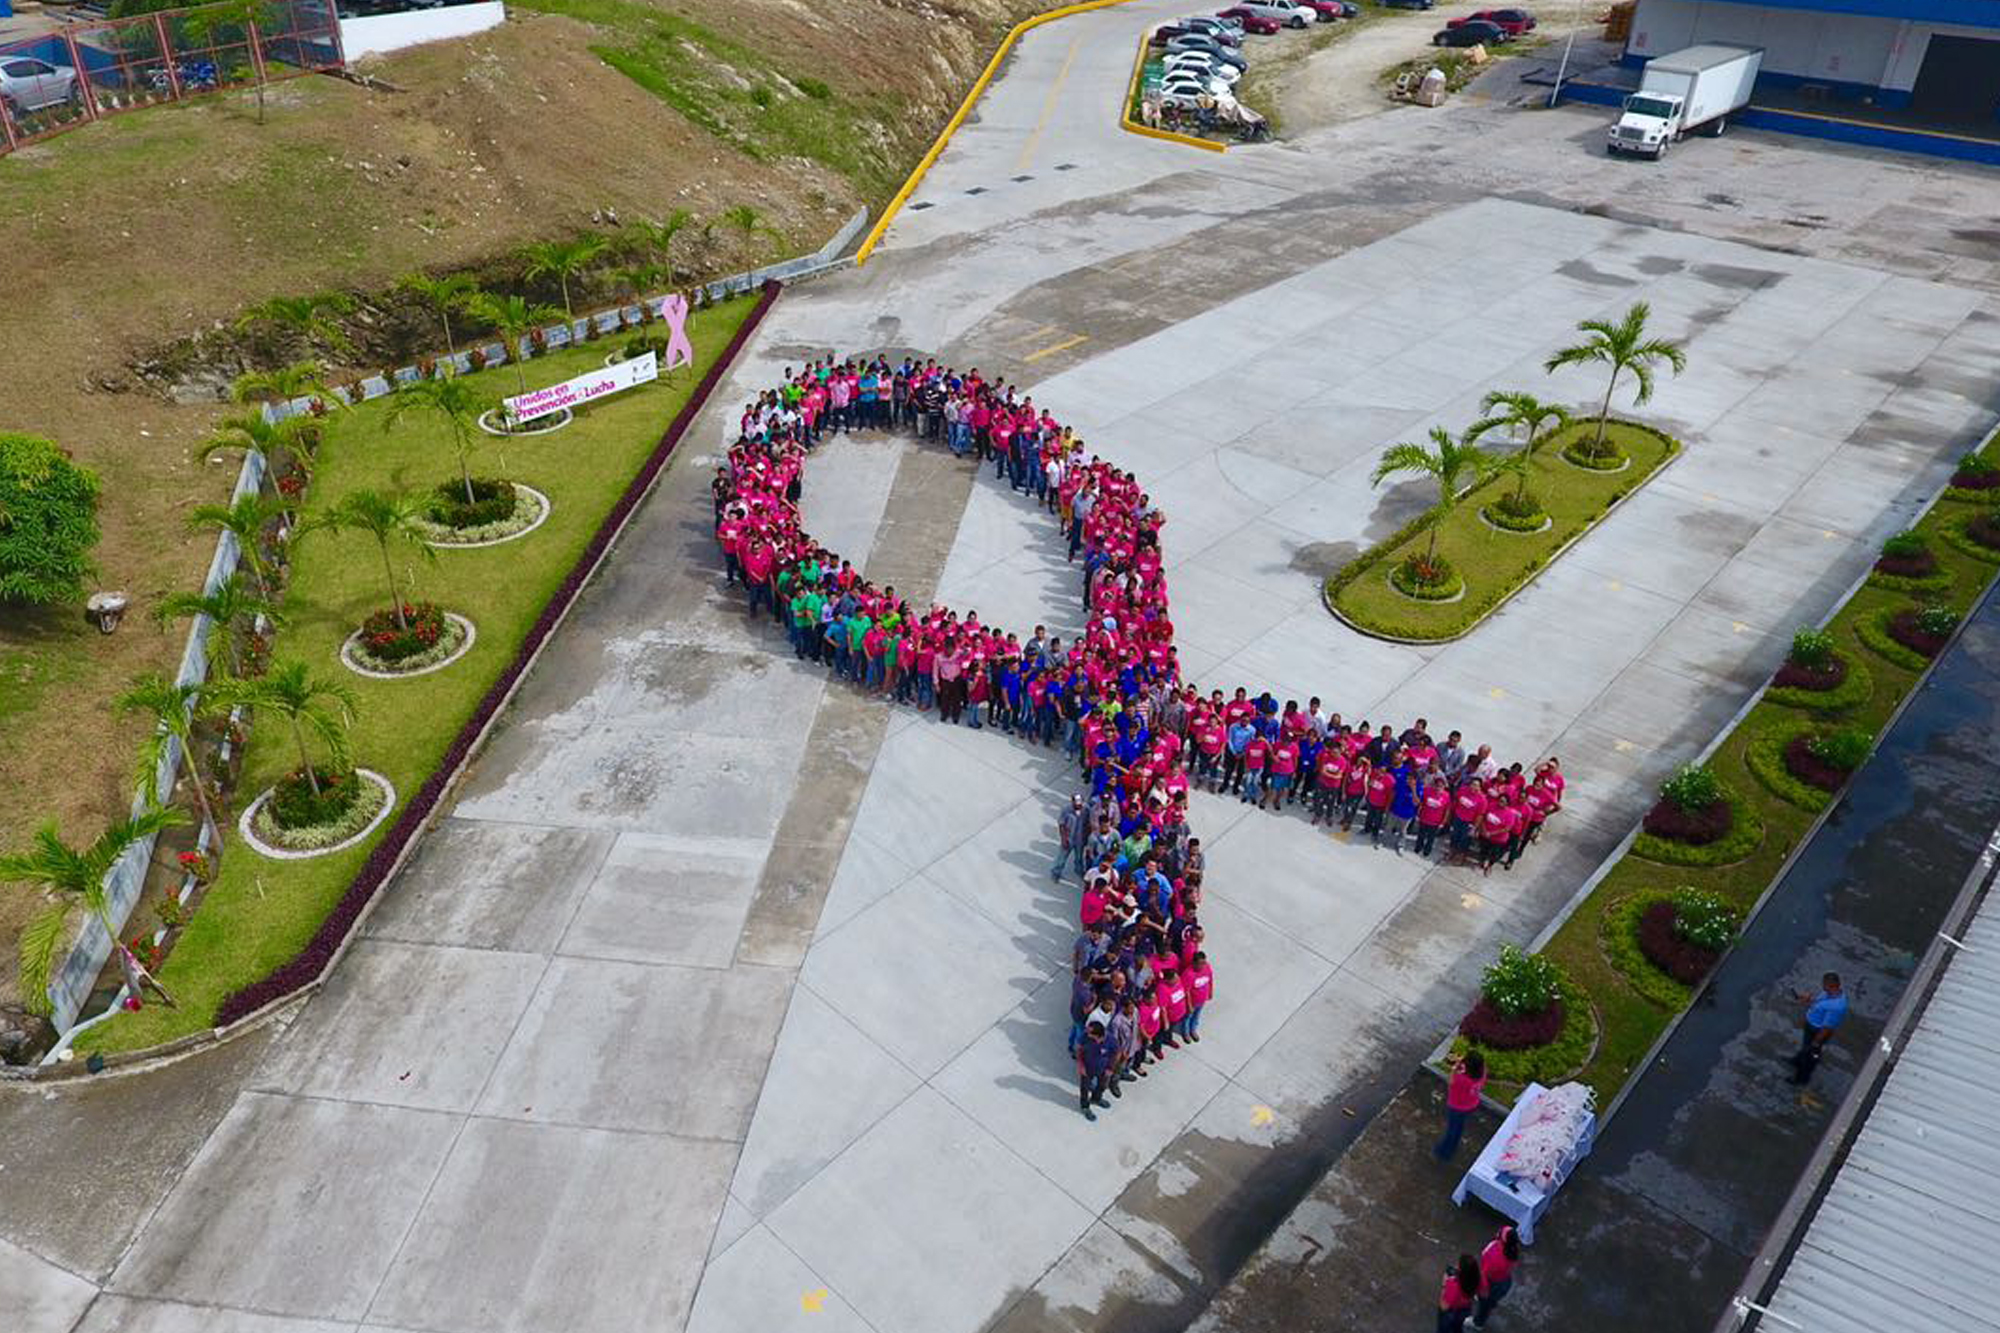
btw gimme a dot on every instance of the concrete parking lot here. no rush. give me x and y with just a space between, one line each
726 1000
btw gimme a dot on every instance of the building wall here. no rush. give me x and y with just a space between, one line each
392 32
1858 55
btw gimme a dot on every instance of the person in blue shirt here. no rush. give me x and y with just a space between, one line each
1093 1069
1824 1012
1238 736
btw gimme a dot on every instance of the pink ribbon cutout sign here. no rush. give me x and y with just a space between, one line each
680 352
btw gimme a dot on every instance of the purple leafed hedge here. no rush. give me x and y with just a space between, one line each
305 966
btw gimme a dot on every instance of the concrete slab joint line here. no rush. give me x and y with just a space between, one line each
965 106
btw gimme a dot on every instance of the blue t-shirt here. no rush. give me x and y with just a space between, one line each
1826 1011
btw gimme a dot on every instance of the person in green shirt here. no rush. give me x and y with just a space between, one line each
858 626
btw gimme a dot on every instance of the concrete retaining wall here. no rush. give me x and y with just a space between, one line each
392 32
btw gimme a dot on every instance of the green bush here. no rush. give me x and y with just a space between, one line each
1551 1063
1519 983
1619 928
1907 545
1936 619
1955 534
1703 919
1873 630
1846 749
1765 758
48 521
1937 582
1584 455
1745 832
1812 648
1516 513
1694 788
1854 690
1977 464
1427 581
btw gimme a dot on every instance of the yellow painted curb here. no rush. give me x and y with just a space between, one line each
895 205
1125 121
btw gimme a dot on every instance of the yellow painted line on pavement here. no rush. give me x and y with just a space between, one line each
937 147
1027 157
1053 348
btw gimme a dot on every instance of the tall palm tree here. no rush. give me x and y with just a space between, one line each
563 260
655 240
1528 419
515 317
1624 347
174 709
246 431
311 317
323 706
75 877
454 402
229 607
453 291
283 384
246 516
386 518
1454 463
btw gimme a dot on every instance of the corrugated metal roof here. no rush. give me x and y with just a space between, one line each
1906 1234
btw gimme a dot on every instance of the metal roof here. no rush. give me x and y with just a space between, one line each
1905 1236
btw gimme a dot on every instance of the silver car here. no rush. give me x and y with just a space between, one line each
28 84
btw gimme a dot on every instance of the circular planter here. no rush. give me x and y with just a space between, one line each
349 660
1571 455
1547 523
246 824
491 421
1457 596
528 494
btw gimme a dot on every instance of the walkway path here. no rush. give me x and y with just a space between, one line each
570 1080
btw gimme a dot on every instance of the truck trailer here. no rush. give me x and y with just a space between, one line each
1695 89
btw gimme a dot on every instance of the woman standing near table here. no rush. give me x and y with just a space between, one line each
1496 1272
1455 1298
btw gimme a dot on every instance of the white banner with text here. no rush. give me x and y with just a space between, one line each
538 403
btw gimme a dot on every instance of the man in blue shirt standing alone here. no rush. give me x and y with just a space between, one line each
1824 1012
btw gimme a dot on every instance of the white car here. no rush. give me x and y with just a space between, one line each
1283 11
27 84
1203 66
1188 84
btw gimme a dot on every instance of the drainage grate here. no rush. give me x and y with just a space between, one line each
1018 179
927 203
977 189
1065 166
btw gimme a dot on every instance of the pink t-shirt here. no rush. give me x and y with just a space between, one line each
1463 1092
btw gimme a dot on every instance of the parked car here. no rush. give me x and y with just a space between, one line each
1196 62
1228 29
1286 13
1513 21
1184 83
1168 33
1326 11
1254 23
1470 32
1207 45
1409 4
27 84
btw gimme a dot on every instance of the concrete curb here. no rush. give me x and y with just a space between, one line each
1131 126
938 145
425 804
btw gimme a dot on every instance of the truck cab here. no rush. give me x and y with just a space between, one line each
1650 121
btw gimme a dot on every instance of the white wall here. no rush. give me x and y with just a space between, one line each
1846 48
392 32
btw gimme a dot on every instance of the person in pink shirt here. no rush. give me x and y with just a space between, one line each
1201 989
1496 1271
1284 768
1468 809
1173 999
1455 1298
1496 830
1461 1099
1433 810
1256 760
1152 1026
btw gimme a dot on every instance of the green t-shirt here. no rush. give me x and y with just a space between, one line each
858 626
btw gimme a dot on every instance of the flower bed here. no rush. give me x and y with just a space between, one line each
1873 631
1512 514
530 508
292 817
1553 1061
1745 831
1976 534
1621 948
1427 582
390 641
1908 628
266 931
493 501
1831 690
1766 757
1492 562
1579 454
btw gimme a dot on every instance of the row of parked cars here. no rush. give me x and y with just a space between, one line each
1203 54
1488 27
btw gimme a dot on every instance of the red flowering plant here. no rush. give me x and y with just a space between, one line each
292 485
421 628
142 949
196 864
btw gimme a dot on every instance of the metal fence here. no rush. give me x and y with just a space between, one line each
86 71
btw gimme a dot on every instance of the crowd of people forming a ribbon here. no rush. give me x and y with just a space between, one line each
1113 699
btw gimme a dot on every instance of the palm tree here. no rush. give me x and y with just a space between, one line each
750 223
453 291
1448 462
655 240
246 516
312 317
644 275
563 260
1529 420
307 703
386 518
455 403
515 317
174 709
282 385
247 431
1624 347
75 876
228 607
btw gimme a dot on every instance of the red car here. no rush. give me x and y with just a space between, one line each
1325 10
1513 22
1256 23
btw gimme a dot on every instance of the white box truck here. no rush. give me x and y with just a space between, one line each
1689 90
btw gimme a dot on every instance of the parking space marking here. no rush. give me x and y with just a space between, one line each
1053 348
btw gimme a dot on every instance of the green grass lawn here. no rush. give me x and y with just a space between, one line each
259 912
1630 1022
1494 564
